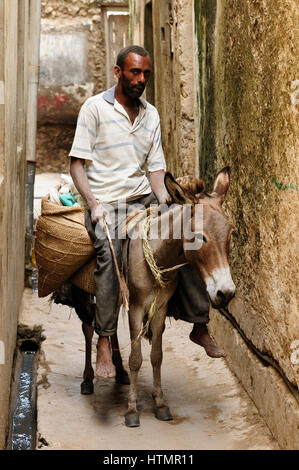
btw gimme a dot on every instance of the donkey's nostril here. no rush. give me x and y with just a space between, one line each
224 297
220 295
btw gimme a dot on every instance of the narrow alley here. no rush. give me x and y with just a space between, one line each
211 409
130 98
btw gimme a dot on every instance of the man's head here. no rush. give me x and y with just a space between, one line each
133 68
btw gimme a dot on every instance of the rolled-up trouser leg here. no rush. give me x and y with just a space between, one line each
105 278
190 298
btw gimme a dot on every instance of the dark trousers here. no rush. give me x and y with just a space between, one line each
189 302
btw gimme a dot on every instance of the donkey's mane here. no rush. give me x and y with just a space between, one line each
192 186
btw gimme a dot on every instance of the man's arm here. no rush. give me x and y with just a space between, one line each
79 176
156 179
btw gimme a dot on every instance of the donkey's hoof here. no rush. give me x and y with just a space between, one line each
122 377
163 413
132 420
86 388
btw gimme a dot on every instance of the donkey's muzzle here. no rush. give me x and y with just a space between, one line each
220 287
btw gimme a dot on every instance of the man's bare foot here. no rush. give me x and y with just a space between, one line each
104 366
200 335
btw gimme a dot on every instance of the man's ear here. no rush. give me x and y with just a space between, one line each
117 71
221 184
175 190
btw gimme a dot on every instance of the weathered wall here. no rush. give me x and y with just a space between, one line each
174 51
73 67
257 133
13 85
73 60
248 82
204 25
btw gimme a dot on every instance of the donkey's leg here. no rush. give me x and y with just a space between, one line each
85 309
122 376
135 361
88 374
157 326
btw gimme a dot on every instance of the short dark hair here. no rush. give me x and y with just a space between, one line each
123 54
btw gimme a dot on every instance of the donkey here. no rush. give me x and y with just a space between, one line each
207 253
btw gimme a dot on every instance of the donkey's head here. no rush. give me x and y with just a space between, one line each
207 247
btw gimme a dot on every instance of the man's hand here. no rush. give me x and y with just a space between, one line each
156 179
99 214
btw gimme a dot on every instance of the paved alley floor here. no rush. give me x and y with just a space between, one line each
210 408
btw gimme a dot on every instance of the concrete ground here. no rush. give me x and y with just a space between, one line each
210 408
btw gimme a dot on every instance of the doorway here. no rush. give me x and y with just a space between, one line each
117 37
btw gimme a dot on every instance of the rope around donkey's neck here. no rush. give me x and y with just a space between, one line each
149 256
157 272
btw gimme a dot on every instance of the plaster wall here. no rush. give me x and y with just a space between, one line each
13 90
248 85
72 58
73 67
256 115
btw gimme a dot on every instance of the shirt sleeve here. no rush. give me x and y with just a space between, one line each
85 135
155 158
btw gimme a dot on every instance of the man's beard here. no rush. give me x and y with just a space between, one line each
129 90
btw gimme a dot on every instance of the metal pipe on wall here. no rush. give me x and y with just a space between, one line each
31 122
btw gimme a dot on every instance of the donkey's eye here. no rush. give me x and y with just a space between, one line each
201 237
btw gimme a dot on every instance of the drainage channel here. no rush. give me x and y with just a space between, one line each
23 417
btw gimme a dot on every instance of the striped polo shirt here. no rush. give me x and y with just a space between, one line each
117 152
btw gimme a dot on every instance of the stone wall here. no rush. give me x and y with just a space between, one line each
73 68
249 81
257 134
13 90
174 52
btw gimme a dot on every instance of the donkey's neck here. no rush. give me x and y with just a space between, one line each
165 238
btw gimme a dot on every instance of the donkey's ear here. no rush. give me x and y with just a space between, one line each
221 184
175 190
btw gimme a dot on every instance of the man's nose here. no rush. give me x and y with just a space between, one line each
141 78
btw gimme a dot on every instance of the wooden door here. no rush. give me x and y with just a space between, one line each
117 37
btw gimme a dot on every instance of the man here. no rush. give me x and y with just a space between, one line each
118 135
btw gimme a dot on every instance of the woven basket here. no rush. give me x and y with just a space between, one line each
62 246
84 278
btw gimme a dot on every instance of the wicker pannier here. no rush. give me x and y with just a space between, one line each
84 278
62 246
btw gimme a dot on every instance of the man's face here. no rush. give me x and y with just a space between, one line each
135 74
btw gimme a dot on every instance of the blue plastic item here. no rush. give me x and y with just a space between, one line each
67 199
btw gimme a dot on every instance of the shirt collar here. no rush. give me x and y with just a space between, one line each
109 96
